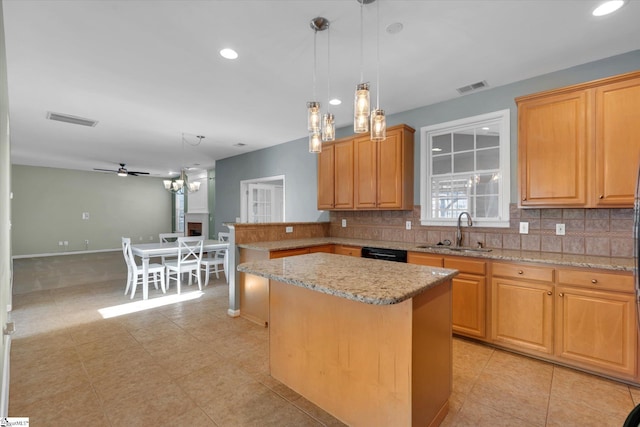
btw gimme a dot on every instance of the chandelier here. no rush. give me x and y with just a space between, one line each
178 185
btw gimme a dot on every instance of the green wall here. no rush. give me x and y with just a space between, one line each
48 203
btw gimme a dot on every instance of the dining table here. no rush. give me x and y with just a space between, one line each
150 250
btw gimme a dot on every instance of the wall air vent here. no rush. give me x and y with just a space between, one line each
71 119
470 88
239 144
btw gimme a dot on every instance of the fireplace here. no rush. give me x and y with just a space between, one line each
194 229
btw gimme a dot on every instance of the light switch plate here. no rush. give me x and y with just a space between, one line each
288 229
408 225
344 222
560 230
524 228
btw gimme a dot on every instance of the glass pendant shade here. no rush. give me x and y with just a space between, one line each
378 125
361 107
328 127
315 142
313 121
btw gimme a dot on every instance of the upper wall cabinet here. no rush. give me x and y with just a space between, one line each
579 146
357 173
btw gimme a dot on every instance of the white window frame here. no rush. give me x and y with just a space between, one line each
500 118
270 180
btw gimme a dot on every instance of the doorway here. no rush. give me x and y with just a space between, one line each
262 200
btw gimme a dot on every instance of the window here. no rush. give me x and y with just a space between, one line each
179 214
262 200
464 167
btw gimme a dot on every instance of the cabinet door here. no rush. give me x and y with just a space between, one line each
390 171
617 142
425 259
343 186
326 181
597 329
366 182
469 304
553 141
522 314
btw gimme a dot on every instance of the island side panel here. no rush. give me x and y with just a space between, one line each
352 359
432 379
254 290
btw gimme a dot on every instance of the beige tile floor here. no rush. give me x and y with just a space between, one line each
189 364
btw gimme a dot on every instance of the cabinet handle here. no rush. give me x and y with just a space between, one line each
561 294
594 281
520 272
601 197
524 199
549 293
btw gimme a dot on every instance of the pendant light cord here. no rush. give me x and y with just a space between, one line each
328 68
315 60
361 42
378 55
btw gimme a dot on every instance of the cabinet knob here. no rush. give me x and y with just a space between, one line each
520 272
601 196
549 293
524 199
594 281
561 294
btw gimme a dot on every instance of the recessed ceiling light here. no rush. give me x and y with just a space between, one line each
335 101
485 128
228 53
608 7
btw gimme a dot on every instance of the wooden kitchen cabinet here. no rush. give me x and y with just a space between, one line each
522 307
469 293
288 252
383 170
596 321
357 173
579 146
469 306
335 176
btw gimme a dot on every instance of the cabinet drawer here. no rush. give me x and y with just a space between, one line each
288 252
466 265
322 248
348 250
424 259
520 271
622 282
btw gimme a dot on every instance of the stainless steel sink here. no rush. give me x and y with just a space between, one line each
453 248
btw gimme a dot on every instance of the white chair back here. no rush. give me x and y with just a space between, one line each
223 237
169 237
190 250
126 249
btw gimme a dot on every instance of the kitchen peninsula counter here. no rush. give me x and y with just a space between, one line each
368 341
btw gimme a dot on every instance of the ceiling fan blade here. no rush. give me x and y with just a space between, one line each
104 170
138 173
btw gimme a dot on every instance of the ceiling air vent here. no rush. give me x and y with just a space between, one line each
71 119
239 144
470 88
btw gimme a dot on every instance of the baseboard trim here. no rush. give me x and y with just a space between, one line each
63 253
233 313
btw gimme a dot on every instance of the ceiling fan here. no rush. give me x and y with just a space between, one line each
122 171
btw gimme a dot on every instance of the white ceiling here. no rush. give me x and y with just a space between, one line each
150 71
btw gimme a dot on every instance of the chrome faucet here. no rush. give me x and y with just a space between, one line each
459 231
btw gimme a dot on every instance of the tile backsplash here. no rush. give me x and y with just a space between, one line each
600 232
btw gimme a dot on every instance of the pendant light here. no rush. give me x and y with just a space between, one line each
361 103
314 117
328 121
378 120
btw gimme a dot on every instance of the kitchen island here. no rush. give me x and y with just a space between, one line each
368 341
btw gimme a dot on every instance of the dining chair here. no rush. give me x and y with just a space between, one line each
216 259
188 261
135 272
166 238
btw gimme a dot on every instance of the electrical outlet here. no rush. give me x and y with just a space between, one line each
559 229
86 242
60 243
408 225
524 228
344 222
66 243
85 215
288 229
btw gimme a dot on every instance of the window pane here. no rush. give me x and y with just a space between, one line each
487 206
441 165
463 162
441 144
463 142
488 159
486 141
487 184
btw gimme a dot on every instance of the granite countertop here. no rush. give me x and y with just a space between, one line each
359 279
607 263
